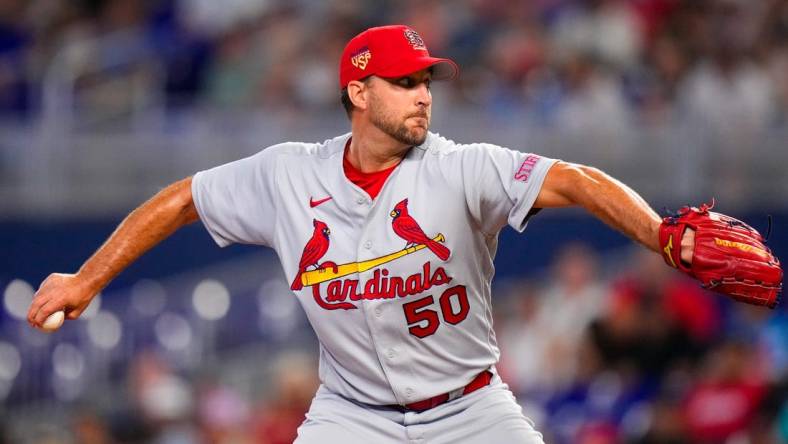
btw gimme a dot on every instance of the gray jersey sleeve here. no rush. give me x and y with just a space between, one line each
237 202
502 185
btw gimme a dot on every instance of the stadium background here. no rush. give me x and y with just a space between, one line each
104 102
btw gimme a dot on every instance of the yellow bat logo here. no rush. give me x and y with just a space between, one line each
315 277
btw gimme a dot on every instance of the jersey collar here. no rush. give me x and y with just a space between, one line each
337 145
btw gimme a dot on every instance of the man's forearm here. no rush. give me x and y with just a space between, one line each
145 227
142 229
620 207
606 198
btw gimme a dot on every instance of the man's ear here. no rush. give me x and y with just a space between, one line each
357 92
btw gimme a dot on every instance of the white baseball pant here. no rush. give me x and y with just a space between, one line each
488 415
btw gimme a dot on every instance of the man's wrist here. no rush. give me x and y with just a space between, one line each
90 282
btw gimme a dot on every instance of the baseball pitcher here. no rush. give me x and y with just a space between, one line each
387 235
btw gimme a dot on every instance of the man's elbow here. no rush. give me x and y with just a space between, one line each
560 185
572 182
180 200
583 174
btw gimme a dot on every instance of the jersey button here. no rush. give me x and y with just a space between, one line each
391 353
378 312
361 201
367 245
408 392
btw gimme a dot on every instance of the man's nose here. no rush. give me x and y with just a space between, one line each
423 95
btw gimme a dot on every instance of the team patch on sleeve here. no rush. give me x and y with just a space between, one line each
524 172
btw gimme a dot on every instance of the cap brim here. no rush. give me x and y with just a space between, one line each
442 69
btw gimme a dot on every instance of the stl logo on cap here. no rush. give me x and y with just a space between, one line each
361 58
415 39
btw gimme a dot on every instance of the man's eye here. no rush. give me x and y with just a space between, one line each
408 82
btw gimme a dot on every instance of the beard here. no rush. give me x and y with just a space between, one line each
396 128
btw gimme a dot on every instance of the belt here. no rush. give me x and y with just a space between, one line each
480 381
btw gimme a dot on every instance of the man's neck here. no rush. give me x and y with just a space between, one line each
373 150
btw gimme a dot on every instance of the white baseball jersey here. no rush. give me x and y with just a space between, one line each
397 288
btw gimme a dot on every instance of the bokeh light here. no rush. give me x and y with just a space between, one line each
148 297
68 361
5 388
211 299
276 300
67 389
10 362
17 297
92 308
173 332
104 330
278 308
33 337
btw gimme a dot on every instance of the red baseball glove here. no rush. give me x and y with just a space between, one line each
730 256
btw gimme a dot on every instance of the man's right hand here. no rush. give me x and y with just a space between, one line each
60 292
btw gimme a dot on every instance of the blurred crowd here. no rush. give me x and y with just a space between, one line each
163 406
723 60
635 355
626 353
643 356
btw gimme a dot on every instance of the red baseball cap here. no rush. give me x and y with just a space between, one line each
390 51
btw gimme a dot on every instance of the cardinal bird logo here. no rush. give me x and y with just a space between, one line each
315 248
407 228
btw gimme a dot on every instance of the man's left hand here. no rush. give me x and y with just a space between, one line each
687 246
725 254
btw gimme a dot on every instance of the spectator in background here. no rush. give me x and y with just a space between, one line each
545 351
782 421
511 53
728 96
223 414
654 322
575 283
654 16
520 340
730 93
295 384
726 395
597 433
667 64
90 428
163 399
607 29
773 51
588 86
233 76
217 18
316 79
284 41
666 425
767 334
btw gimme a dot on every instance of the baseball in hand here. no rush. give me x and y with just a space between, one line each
53 321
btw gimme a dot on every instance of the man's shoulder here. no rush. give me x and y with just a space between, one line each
442 146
